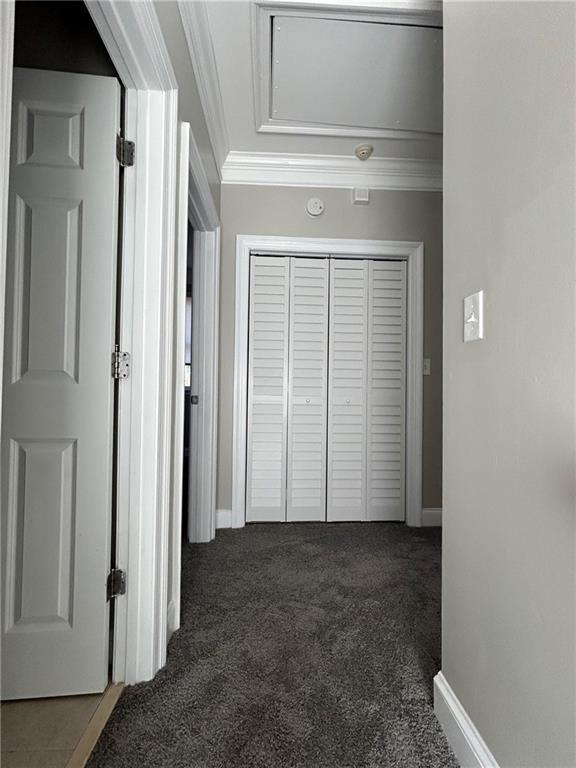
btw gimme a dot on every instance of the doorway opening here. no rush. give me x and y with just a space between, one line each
281 248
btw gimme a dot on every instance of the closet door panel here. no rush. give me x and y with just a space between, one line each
308 362
348 338
267 389
386 390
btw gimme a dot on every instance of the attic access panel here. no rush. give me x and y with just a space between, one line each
356 74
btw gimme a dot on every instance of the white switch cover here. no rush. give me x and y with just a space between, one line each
427 366
474 317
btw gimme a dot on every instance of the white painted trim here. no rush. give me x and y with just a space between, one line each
413 253
204 416
6 66
179 321
463 736
419 12
201 209
223 518
414 384
145 398
432 517
133 38
165 351
293 170
132 35
199 39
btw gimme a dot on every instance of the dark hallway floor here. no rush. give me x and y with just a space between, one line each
302 646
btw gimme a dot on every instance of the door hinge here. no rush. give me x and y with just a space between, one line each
116 583
120 364
125 151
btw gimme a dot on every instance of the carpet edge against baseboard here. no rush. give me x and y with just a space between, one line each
431 517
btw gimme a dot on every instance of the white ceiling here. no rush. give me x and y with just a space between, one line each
231 32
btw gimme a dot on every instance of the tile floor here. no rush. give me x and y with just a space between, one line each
43 733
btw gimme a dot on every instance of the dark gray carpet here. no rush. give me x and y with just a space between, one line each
302 646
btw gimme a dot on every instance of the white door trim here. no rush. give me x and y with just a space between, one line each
204 218
413 253
133 38
6 57
204 384
178 370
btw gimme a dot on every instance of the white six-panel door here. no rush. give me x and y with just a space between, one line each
58 390
327 389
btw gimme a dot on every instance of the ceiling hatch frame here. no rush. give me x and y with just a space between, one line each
426 13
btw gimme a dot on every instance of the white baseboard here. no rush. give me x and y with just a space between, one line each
431 516
467 744
223 518
173 618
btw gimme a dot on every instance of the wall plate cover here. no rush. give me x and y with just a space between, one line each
315 206
360 196
474 317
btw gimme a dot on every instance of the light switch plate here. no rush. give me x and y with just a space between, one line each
474 317
427 366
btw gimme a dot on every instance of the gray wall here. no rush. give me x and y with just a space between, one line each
189 104
390 216
509 401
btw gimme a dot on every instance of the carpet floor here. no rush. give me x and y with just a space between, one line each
302 646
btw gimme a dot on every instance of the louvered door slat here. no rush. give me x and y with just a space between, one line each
267 389
346 481
386 391
308 361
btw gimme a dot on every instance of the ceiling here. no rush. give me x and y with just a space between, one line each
324 68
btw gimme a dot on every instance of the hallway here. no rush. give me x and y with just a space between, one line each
302 646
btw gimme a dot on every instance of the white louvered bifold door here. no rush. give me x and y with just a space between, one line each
386 390
267 389
307 389
348 346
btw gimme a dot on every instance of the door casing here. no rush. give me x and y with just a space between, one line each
413 254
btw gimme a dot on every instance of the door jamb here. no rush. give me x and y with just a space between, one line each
6 65
413 254
132 35
205 335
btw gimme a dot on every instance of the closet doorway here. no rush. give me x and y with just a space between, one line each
328 381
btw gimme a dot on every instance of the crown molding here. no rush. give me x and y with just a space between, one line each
199 38
291 170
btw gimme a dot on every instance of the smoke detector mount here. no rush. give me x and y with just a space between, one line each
363 151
